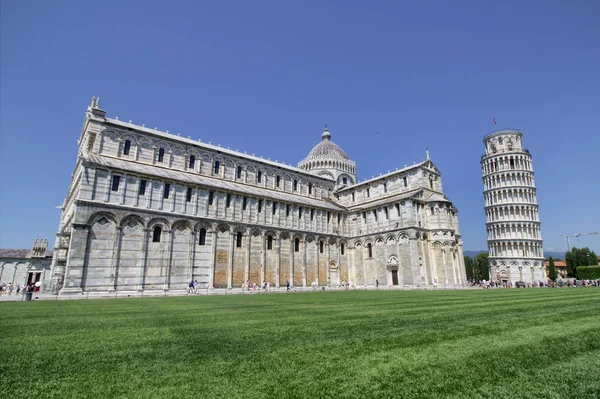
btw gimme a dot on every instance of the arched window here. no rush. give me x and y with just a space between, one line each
269 242
202 239
216 167
127 147
161 154
297 245
238 242
259 177
192 162
342 248
239 172
156 234
295 185
370 248
321 246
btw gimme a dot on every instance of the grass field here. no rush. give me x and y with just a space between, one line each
529 343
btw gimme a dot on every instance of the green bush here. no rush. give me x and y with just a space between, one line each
588 272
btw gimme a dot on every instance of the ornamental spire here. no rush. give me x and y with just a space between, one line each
326 135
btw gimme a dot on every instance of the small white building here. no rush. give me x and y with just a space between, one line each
22 266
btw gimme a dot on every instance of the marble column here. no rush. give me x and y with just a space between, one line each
247 269
213 252
230 266
169 256
144 255
116 256
304 258
72 283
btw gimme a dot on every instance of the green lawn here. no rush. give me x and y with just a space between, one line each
529 343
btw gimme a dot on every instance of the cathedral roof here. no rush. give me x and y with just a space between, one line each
326 149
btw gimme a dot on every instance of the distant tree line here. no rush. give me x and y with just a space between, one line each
477 267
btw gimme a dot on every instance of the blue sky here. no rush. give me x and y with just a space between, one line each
389 78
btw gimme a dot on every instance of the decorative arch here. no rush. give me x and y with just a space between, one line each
95 217
131 220
182 224
162 221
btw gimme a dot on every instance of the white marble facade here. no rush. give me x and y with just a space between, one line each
148 210
512 219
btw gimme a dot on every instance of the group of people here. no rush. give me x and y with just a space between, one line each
549 283
16 289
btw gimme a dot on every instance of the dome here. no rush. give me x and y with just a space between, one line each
326 149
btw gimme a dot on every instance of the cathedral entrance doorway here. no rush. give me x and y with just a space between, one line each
393 268
34 277
334 275
394 277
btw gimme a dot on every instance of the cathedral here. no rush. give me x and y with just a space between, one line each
150 211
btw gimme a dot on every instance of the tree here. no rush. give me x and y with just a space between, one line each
470 267
552 274
482 266
579 257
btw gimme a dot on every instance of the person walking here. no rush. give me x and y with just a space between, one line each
287 285
377 284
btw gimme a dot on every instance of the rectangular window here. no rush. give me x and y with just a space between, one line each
339 218
239 172
115 183
300 213
211 197
202 240
142 190
405 181
161 154
188 195
387 215
192 162
238 241
277 179
127 147
352 197
297 245
269 242
342 248
432 210
385 187
295 185
368 192
345 180
228 200
310 188
259 206
321 246
312 214
216 167
274 207
375 214
244 203
365 217
397 208
167 190
259 177
328 217
287 211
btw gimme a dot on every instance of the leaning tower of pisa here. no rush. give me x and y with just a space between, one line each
511 209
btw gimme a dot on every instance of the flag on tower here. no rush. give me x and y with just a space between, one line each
494 120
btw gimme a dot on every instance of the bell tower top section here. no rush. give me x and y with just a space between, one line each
503 140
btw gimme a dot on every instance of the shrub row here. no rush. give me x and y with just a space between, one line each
588 272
